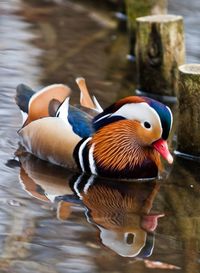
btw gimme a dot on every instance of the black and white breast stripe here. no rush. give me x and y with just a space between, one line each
84 156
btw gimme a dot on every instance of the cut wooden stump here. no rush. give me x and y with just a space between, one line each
189 110
138 8
160 49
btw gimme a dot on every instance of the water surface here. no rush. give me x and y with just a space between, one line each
53 220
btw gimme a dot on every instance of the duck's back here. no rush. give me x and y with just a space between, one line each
47 137
52 128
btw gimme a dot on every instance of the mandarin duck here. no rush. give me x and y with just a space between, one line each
123 141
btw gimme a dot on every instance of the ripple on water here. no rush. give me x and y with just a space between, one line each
18 63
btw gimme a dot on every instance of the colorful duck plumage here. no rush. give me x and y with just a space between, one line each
124 141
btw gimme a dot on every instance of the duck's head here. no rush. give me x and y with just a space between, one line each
148 120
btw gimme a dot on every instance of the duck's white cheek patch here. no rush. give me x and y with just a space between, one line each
141 112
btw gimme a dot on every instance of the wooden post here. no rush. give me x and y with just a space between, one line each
189 110
138 8
160 49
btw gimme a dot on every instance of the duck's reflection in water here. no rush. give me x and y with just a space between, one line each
119 209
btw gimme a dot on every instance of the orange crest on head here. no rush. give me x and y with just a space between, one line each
130 99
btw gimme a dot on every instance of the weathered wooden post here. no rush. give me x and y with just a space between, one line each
189 110
138 8
160 49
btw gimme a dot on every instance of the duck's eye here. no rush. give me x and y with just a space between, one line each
130 239
147 125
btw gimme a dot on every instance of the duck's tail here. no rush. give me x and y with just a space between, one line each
36 105
22 98
46 102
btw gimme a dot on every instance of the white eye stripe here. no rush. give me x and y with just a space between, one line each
141 112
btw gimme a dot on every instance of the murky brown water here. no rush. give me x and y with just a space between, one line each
53 220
